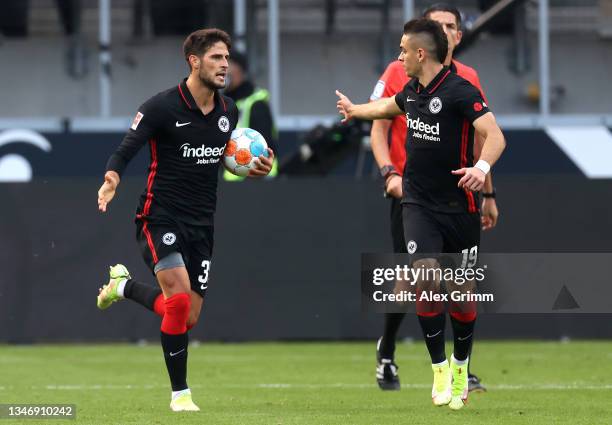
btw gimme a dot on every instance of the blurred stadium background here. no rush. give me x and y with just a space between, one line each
287 254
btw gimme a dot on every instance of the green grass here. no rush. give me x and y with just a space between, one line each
309 383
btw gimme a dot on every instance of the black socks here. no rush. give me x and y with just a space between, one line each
433 332
392 325
142 293
463 334
175 354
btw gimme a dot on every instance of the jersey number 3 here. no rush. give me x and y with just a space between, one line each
203 278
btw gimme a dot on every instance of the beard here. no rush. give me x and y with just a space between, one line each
210 82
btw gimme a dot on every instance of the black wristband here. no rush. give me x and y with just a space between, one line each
489 194
387 171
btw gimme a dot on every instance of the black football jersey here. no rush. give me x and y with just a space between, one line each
440 139
186 149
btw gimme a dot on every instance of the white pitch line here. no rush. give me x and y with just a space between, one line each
500 387
427 386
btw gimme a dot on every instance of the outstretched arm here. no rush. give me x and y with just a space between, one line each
382 108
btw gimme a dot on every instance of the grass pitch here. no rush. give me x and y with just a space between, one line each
309 383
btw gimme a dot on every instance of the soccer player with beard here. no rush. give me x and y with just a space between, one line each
440 183
186 128
388 138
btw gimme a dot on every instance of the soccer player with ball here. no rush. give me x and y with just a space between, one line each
188 129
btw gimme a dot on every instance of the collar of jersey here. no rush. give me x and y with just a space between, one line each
190 102
434 84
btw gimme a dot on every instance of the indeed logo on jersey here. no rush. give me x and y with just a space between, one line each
423 131
204 154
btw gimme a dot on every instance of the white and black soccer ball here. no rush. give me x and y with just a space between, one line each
244 147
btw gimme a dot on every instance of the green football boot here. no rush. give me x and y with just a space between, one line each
460 388
441 390
183 403
108 293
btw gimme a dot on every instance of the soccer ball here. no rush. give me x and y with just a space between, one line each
244 147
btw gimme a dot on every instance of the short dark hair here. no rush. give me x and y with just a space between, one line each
198 42
437 43
443 7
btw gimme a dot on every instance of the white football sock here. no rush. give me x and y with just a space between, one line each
176 394
441 364
460 362
121 287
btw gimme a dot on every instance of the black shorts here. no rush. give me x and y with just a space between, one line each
160 236
429 232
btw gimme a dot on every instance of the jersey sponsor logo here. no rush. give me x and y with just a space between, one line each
435 105
423 131
411 247
478 106
224 124
379 89
203 154
137 120
182 124
169 238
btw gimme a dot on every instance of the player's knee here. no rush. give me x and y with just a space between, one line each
464 317
173 285
173 281
426 263
179 305
177 313
428 277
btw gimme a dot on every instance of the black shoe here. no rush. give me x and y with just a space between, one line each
474 384
386 372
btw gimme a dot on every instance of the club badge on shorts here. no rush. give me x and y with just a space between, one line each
412 247
224 124
169 238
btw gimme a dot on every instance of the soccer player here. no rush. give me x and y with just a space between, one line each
186 128
391 158
439 203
